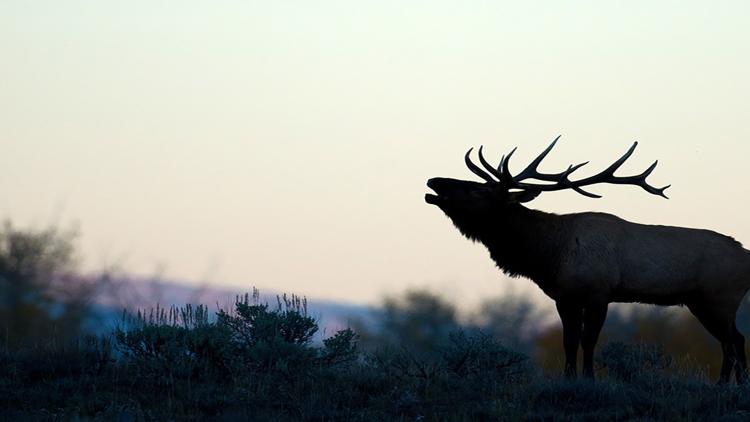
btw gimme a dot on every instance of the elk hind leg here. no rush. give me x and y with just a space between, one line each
720 325
740 366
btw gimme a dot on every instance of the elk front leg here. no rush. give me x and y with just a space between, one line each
571 315
593 320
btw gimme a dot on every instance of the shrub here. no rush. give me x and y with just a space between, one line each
419 320
627 361
266 338
479 354
340 348
180 342
41 294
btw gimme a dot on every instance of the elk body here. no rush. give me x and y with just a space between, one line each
584 261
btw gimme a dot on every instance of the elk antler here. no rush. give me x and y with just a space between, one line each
476 170
504 176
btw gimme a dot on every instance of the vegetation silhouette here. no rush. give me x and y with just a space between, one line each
418 321
584 261
42 296
421 321
256 361
422 358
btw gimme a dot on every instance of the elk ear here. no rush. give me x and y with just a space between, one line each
522 196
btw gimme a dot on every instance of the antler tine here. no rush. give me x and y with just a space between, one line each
610 171
584 193
640 180
475 169
493 171
508 179
531 172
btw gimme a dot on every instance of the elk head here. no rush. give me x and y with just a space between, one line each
472 204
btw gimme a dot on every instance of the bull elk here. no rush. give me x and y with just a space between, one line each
584 261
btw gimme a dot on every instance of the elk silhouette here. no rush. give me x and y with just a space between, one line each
584 261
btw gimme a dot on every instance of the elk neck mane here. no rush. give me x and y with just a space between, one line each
525 242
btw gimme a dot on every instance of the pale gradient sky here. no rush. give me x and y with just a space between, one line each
286 144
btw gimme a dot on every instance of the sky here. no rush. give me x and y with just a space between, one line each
286 144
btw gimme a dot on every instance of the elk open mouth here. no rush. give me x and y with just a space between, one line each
429 197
